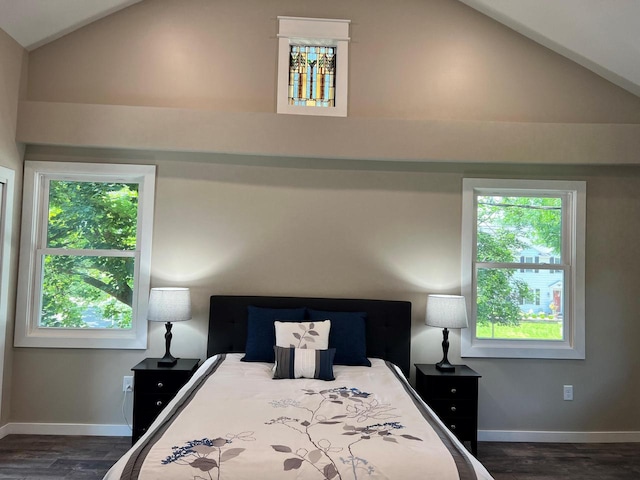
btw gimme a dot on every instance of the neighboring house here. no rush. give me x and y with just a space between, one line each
545 285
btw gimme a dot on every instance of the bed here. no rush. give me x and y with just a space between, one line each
300 388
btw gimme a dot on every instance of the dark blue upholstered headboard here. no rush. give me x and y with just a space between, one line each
388 323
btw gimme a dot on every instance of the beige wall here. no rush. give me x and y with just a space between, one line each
12 68
429 80
387 229
411 59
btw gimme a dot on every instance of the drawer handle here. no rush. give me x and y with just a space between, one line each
453 390
159 403
453 409
160 385
452 427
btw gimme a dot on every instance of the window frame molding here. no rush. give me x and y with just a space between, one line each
34 214
573 246
319 32
7 193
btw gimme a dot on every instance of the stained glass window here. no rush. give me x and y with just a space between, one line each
313 58
312 76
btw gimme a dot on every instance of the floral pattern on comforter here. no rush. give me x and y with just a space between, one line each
325 455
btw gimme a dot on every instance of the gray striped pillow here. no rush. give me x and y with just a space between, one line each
304 363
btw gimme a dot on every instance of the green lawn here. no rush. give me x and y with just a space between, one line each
526 330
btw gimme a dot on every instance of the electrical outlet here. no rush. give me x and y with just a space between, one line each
568 392
127 383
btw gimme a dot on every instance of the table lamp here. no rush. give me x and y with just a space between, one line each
169 304
446 311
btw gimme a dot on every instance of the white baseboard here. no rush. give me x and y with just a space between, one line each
557 437
65 429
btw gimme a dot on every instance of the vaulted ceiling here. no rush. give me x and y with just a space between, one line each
602 36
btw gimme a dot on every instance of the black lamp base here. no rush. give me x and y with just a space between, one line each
445 366
168 360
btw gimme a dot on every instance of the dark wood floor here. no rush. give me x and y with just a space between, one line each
49 457
54 457
546 461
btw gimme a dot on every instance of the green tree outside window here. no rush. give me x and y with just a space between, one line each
505 227
88 271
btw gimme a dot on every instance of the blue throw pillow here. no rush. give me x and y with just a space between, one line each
261 333
348 335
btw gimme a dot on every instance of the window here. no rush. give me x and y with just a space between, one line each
85 255
312 76
313 66
522 307
528 260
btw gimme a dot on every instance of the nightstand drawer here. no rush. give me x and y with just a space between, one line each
138 432
160 382
452 388
454 408
463 428
148 406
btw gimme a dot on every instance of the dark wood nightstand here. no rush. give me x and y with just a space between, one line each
454 398
154 387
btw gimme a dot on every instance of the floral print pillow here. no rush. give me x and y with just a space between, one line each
311 335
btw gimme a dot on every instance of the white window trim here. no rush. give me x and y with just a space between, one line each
7 179
313 31
27 332
573 347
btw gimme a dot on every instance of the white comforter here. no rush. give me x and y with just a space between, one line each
233 421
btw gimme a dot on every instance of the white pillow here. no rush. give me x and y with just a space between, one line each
310 335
